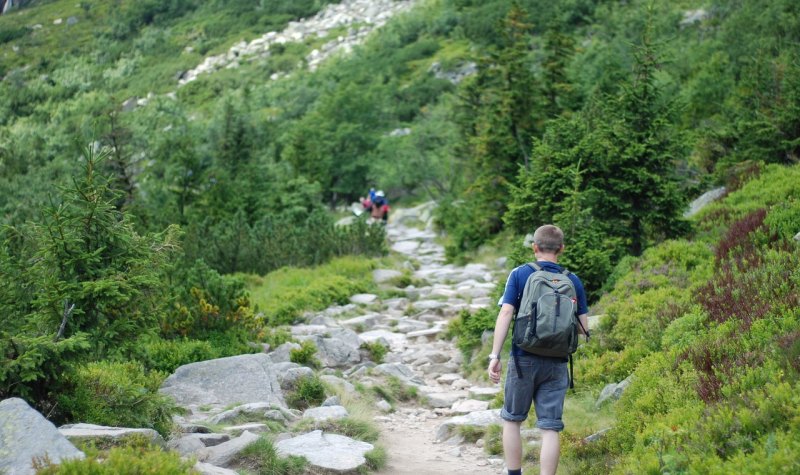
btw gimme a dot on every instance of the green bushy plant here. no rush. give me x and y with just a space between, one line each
261 458
167 355
122 461
376 350
308 392
305 355
118 394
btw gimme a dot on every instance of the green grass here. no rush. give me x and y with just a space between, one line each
260 457
283 295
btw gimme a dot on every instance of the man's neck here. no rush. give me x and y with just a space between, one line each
541 256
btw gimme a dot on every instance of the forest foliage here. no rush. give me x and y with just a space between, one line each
131 234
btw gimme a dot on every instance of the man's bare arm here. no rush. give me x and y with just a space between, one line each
500 333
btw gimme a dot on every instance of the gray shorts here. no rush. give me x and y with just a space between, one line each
544 382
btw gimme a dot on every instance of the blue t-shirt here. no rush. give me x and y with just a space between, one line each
516 284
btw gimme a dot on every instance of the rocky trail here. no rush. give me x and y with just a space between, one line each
228 402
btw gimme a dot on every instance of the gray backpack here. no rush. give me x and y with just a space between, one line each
547 322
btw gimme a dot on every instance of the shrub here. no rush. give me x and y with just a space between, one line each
305 355
308 392
376 350
351 427
261 458
376 459
493 440
167 355
123 461
118 394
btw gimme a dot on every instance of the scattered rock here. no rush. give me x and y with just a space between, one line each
384 406
484 393
381 276
474 419
612 392
596 436
326 413
72 21
251 409
208 469
469 405
223 454
364 299
338 382
27 435
709 196
331 452
400 371
690 17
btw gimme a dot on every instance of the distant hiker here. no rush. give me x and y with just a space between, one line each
531 376
380 207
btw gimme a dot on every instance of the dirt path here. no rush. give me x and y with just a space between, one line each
409 433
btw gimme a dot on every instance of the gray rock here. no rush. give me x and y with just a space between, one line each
208 469
364 299
342 350
483 393
129 104
236 379
288 378
596 436
186 445
383 405
469 405
223 454
706 198
326 452
797 237
254 427
445 399
612 392
381 276
690 17
332 401
405 247
282 354
72 21
251 409
326 413
365 321
107 435
25 435
474 419
338 382
400 371
396 341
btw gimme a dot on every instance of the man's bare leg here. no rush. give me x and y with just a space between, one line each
551 449
512 444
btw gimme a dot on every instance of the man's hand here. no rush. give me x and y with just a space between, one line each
495 367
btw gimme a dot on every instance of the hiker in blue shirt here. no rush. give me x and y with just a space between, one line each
544 379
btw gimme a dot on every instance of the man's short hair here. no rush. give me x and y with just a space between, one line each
549 238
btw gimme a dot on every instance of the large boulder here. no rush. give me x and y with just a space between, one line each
26 435
327 453
236 379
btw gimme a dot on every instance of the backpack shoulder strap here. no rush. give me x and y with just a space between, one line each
535 266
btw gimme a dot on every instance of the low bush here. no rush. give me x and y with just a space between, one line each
167 355
376 350
261 458
118 394
283 295
122 461
308 392
376 459
305 355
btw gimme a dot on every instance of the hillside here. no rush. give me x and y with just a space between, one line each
171 176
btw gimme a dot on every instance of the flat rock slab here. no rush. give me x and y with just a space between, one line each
236 379
224 454
399 371
383 275
208 469
364 299
483 393
473 419
326 413
405 247
25 434
91 432
396 341
331 452
444 399
469 405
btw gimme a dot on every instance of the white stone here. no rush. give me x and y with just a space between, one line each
331 452
364 299
469 405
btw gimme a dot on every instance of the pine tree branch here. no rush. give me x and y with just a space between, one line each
67 312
